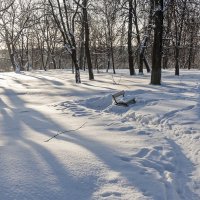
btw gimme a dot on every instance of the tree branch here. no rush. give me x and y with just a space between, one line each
62 132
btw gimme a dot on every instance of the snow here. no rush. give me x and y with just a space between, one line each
149 150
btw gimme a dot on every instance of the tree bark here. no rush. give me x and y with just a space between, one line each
157 44
82 38
130 50
77 71
87 40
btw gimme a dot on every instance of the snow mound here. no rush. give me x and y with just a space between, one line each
100 103
103 104
150 110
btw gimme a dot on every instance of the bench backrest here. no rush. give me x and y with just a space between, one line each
121 93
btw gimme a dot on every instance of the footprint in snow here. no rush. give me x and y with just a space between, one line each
24 111
124 158
143 133
143 152
159 148
152 164
80 114
153 103
114 194
113 181
125 128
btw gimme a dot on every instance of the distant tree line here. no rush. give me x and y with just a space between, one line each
101 34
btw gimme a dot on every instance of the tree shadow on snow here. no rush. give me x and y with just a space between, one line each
28 169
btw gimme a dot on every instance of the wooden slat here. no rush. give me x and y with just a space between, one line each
121 93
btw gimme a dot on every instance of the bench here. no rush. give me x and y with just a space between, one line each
118 99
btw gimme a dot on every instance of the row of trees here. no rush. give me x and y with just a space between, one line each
101 33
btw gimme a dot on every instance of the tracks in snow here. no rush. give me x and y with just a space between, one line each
167 161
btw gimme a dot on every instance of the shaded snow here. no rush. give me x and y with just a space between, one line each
149 150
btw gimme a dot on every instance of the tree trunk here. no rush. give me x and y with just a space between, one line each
82 39
130 50
157 44
142 44
177 60
165 61
108 63
77 71
179 29
87 40
11 51
112 56
191 46
54 62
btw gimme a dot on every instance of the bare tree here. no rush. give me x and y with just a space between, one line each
64 13
179 11
87 38
13 21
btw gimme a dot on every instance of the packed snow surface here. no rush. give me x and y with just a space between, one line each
63 141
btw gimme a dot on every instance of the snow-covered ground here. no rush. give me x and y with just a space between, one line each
149 150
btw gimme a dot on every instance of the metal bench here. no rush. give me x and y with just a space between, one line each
120 102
